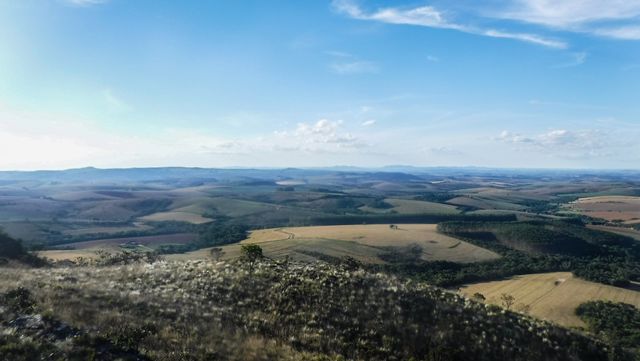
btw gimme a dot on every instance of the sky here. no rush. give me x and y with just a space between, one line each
277 83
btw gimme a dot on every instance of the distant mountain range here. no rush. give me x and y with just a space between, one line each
392 172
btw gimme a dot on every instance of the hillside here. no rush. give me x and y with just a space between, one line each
371 243
287 311
552 296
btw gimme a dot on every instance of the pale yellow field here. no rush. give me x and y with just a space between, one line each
625 208
176 215
552 296
362 242
69 255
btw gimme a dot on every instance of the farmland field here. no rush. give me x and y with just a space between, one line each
177 216
87 249
362 242
407 206
552 296
610 208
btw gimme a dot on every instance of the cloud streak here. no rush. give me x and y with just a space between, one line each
354 67
579 144
609 18
85 3
429 16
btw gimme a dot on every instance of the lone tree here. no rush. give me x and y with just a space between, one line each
478 297
507 300
217 253
251 253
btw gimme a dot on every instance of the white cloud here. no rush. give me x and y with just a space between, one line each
587 143
325 135
429 16
610 18
631 32
368 123
37 140
571 13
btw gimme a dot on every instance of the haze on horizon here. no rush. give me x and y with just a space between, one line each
495 83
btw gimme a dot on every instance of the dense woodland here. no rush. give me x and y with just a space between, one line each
616 323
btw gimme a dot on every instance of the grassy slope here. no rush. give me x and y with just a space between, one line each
362 242
201 311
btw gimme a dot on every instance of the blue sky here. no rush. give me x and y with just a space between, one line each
504 83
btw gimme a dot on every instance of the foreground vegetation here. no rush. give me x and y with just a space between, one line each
201 310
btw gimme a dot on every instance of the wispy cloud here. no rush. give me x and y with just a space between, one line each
585 143
433 59
577 59
610 18
114 102
85 2
368 123
429 16
346 63
354 67
631 32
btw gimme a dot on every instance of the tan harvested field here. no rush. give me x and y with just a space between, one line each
408 206
64 255
178 216
610 208
87 249
552 296
362 242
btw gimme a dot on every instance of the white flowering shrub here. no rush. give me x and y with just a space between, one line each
206 310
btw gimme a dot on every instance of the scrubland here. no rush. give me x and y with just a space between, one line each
202 310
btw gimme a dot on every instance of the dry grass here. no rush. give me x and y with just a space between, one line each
69 255
610 208
178 216
362 242
552 296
